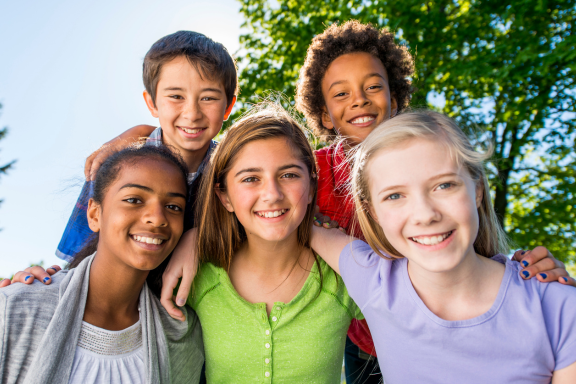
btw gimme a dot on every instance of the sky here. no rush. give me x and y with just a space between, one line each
70 80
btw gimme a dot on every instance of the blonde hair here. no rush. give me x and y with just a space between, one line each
220 234
491 238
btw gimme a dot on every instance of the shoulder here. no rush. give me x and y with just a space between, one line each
333 286
35 291
207 279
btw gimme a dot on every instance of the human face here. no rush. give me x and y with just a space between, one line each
142 216
426 205
357 95
268 188
191 108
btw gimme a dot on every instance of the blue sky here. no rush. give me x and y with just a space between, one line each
70 80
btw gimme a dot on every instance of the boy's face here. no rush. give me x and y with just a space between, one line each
191 108
357 95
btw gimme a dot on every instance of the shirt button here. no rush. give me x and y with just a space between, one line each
267 345
274 318
267 332
267 361
267 374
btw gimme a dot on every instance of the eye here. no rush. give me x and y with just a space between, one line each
375 87
133 200
290 176
250 179
208 98
340 94
174 207
394 196
177 97
445 185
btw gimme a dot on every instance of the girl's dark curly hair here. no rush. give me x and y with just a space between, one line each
338 40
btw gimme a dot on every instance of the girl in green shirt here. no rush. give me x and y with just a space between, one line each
270 309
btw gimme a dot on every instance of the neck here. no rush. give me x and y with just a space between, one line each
113 293
466 291
193 159
274 257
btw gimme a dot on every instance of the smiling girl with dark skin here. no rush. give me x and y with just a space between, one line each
100 321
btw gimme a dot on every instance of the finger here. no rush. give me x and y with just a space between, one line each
342 229
185 285
40 274
543 266
98 160
53 269
551 275
169 282
518 255
5 283
316 209
537 254
566 280
23 277
88 164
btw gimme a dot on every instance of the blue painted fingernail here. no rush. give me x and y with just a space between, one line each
53 269
543 275
46 279
526 273
524 263
180 302
565 279
523 252
27 277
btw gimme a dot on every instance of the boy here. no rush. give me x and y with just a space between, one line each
354 78
191 85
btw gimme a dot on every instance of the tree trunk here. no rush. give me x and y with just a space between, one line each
501 198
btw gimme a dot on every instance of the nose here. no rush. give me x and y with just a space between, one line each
359 99
424 211
192 110
272 192
155 215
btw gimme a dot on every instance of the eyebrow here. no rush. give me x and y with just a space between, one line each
282 168
202 90
375 74
148 189
430 179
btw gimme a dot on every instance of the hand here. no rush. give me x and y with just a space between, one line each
131 136
321 220
29 274
183 264
539 262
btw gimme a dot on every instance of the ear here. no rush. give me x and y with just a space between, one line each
94 213
393 106
229 108
326 120
224 199
150 104
479 193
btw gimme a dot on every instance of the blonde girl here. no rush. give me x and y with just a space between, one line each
442 301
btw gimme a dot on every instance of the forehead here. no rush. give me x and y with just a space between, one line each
354 65
267 153
411 162
181 72
158 174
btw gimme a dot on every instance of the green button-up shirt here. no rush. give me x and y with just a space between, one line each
300 342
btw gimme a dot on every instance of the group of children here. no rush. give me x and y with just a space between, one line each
441 302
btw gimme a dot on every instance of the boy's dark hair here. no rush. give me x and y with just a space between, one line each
209 58
107 174
336 41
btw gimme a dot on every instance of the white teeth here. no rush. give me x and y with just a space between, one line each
271 214
191 130
148 240
431 240
361 120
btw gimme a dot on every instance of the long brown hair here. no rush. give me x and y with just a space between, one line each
491 238
220 234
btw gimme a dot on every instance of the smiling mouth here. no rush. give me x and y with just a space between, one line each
147 240
431 240
193 130
362 119
272 214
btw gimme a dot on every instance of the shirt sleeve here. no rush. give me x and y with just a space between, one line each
559 308
362 270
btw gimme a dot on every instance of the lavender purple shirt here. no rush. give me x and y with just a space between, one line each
528 333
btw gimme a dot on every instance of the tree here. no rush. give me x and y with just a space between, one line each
4 168
503 68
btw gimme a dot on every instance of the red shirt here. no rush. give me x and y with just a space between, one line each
335 201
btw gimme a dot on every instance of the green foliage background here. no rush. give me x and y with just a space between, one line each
505 70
